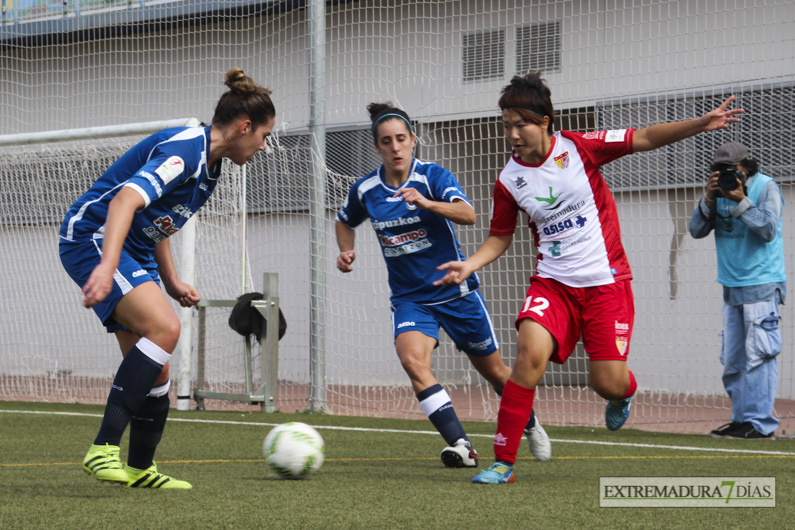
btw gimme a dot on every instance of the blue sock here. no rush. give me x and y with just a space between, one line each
436 404
136 375
531 422
146 427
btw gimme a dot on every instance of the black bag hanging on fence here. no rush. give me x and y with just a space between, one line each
246 320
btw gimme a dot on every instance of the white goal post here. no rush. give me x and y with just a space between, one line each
92 133
610 65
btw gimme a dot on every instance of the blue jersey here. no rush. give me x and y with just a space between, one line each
413 241
169 170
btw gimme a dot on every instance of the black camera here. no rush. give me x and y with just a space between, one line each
728 176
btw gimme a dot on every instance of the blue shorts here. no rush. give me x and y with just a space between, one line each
465 319
80 257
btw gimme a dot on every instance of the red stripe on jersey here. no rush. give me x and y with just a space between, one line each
605 203
611 229
504 211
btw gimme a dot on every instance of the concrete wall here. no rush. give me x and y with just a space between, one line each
407 51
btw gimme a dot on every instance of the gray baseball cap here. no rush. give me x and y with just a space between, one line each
730 153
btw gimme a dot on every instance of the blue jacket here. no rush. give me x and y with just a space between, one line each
748 239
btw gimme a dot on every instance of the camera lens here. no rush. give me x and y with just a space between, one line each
727 179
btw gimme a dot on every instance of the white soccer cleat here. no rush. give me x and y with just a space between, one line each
460 454
539 442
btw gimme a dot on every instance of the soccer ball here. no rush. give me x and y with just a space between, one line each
294 450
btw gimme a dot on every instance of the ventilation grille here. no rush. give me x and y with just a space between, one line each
483 55
538 48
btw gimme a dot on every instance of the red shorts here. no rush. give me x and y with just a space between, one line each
602 315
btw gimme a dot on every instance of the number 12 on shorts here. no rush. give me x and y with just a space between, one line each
536 305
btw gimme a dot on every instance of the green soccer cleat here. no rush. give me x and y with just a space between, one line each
102 461
498 473
151 478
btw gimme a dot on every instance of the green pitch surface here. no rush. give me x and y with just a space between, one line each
378 473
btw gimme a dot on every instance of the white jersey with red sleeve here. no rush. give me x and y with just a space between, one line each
570 209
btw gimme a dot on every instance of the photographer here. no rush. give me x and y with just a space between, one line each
744 207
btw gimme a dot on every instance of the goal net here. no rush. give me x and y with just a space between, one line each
610 65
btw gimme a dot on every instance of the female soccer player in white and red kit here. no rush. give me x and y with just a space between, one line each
582 281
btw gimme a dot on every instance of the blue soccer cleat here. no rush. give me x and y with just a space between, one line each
498 473
617 412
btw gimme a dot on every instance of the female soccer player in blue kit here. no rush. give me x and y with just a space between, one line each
114 244
412 206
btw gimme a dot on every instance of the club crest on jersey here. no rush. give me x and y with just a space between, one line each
170 169
562 160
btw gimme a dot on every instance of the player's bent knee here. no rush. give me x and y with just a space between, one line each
166 334
497 376
530 364
610 389
414 367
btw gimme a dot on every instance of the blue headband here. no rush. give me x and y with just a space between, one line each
375 123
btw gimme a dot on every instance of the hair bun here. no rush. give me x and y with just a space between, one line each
238 82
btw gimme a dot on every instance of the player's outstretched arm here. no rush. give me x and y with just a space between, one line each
184 293
662 134
346 237
459 271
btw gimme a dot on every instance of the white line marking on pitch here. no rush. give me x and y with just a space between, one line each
365 429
